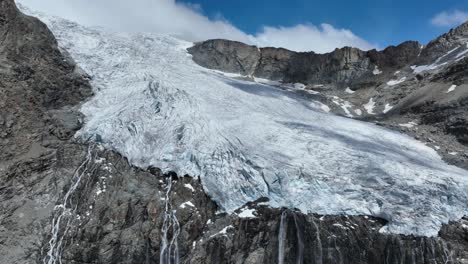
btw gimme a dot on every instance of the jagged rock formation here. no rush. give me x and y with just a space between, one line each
454 38
63 201
344 67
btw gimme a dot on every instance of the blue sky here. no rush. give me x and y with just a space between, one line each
300 25
383 22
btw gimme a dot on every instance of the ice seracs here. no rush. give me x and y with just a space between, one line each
248 140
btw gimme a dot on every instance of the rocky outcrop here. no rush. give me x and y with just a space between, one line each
38 90
395 57
344 67
34 79
232 56
441 45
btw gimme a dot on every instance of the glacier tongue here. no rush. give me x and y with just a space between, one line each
246 140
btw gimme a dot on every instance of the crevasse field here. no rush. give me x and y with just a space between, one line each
247 140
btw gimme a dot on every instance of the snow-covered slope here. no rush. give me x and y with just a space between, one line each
247 140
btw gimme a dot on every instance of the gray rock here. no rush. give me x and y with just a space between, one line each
441 45
342 67
230 56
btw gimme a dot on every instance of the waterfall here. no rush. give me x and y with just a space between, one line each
65 213
447 253
169 252
300 242
318 255
282 236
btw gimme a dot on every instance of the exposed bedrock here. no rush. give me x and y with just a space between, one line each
343 66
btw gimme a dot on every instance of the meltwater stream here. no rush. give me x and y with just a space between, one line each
246 140
169 252
65 212
283 238
282 234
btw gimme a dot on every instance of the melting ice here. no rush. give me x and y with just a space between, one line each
246 140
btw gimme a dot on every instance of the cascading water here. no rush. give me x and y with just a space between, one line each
282 236
300 242
169 249
318 254
65 212
447 253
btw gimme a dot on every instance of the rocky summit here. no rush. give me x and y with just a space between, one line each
71 192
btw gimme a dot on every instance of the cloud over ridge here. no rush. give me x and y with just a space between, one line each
188 22
450 18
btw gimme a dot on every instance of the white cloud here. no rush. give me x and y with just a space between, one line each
309 37
188 22
450 19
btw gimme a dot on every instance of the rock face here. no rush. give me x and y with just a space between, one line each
38 88
344 66
233 55
63 201
452 39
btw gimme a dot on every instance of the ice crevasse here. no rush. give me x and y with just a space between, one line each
246 140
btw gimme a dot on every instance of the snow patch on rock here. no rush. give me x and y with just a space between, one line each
188 203
370 106
347 90
387 108
247 213
376 70
223 231
395 82
345 105
451 89
189 186
409 124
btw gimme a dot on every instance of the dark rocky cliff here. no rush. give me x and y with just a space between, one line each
63 201
343 67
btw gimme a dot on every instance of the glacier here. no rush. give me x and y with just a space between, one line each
247 140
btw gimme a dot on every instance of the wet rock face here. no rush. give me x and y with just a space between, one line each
121 217
121 213
286 236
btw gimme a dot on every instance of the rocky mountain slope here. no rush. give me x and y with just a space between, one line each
64 200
